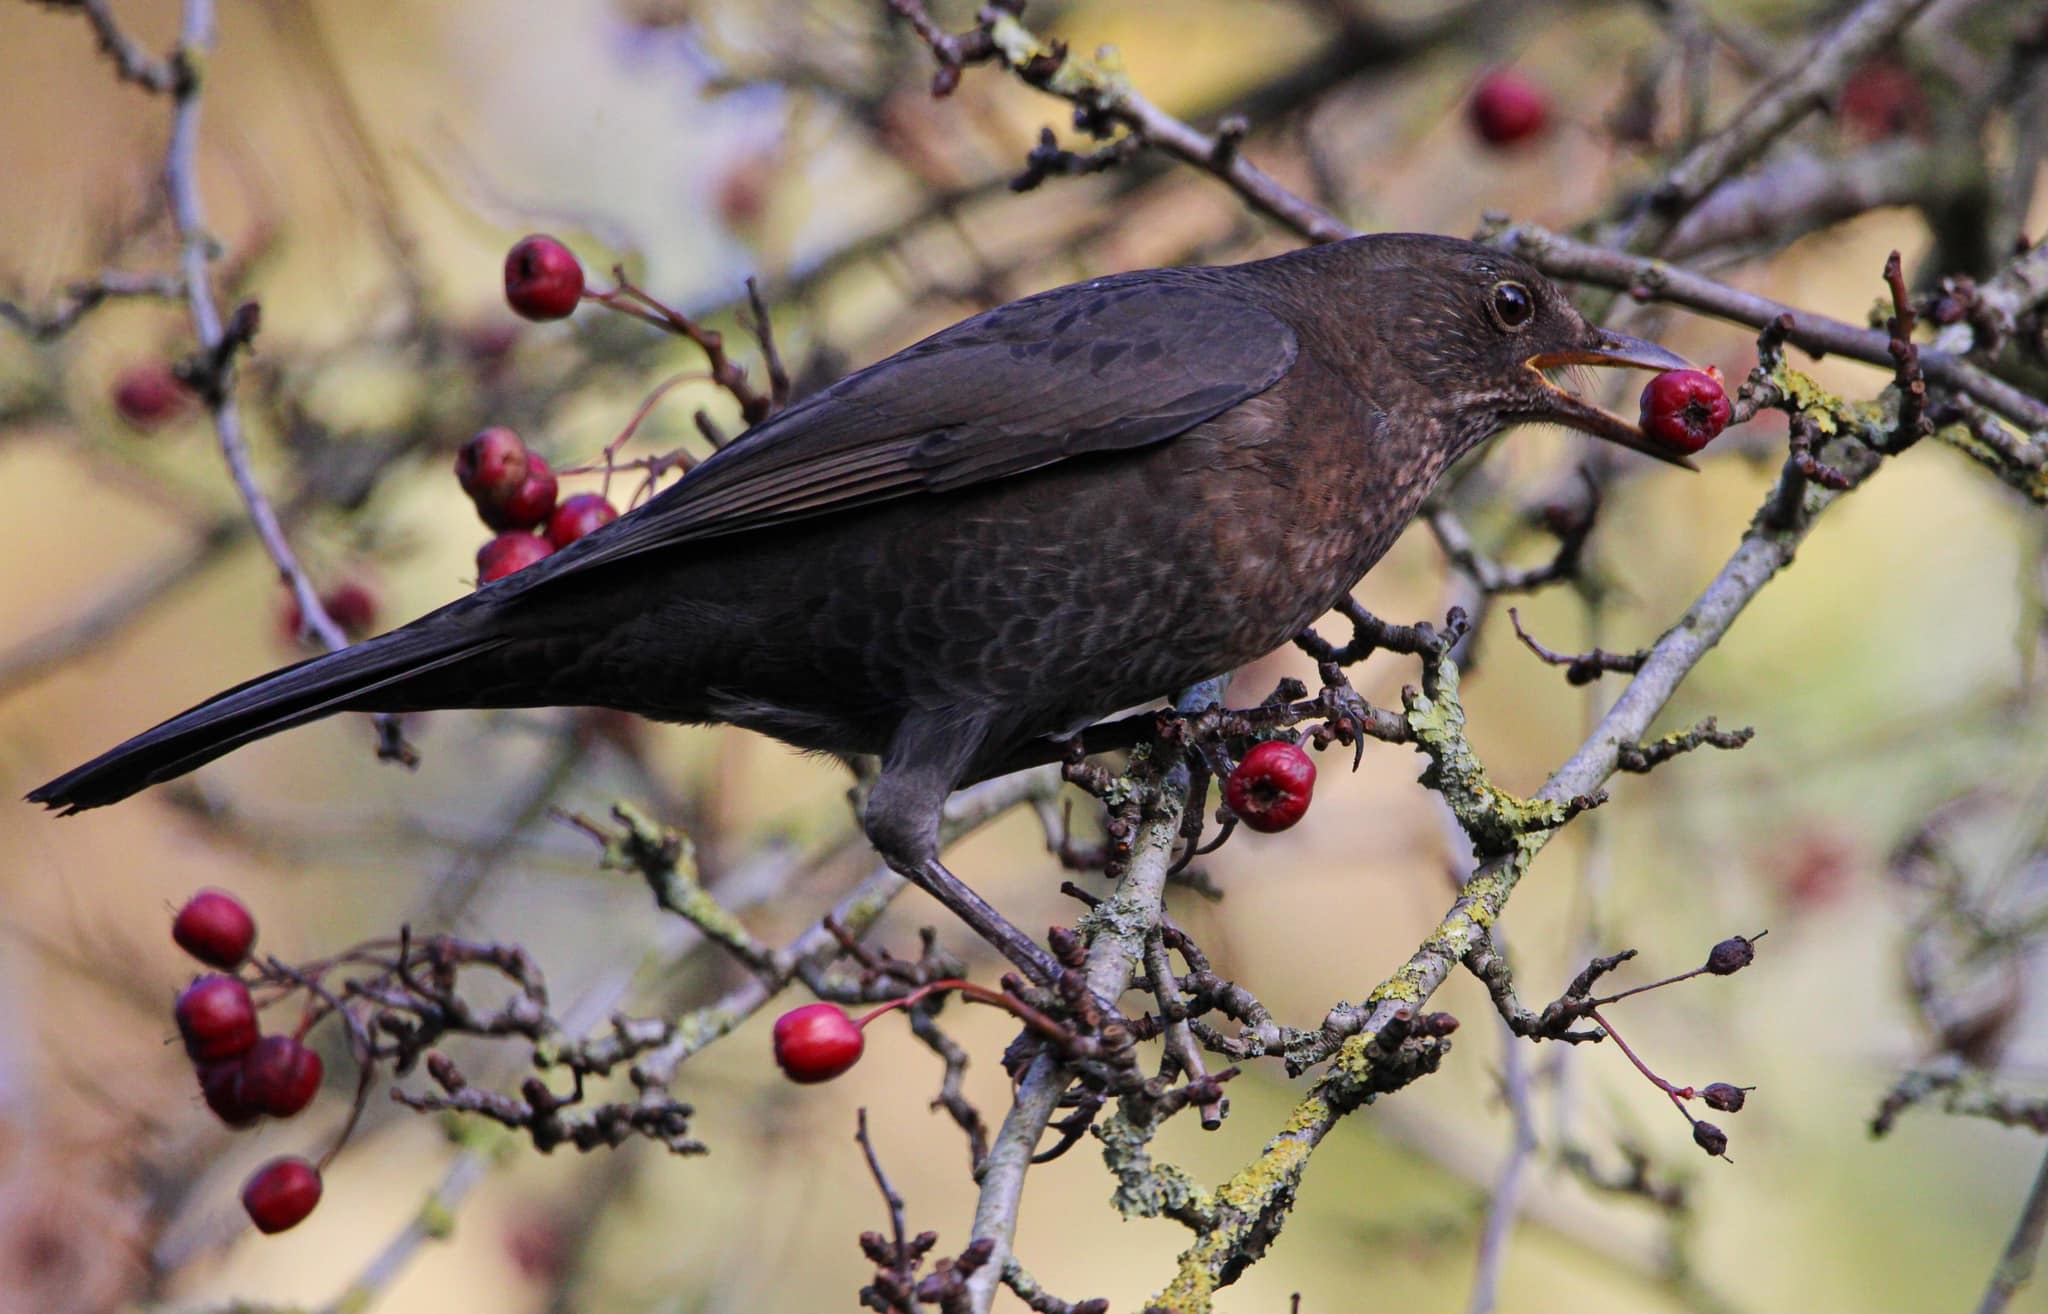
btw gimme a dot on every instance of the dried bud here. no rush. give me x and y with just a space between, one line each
979 1252
1710 1138
1437 1024
1724 1097
1731 956
1066 946
876 1248
442 1069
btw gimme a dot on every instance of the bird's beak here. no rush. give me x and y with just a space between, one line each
1616 349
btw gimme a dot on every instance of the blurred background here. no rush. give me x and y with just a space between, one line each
366 164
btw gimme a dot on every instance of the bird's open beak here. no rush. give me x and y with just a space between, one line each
1616 349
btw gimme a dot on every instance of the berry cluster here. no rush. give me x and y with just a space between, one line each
511 485
515 493
244 1074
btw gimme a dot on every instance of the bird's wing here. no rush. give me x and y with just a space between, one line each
1096 367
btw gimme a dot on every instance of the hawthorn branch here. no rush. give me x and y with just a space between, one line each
1103 97
1373 1047
1643 758
84 295
132 61
219 341
1506 1202
1124 922
1580 667
1809 79
1656 280
2015 1266
658 1046
1802 191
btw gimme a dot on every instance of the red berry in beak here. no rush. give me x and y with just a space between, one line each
1684 409
1270 788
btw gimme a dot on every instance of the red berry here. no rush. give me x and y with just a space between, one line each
1881 100
578 516
488 345
529 505
280 1194
1684 409
543 280
742 194
1507 108
280 1076
351 606
215 928
513 550
491 466
217 1018
221 1083
816 1042
1270 788
149 395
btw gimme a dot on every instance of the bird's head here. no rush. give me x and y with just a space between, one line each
1495 342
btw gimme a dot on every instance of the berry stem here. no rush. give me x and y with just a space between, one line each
628 299
646 407
1026 1014
1679 1094
1654 985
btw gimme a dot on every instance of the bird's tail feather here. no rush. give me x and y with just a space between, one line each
384 674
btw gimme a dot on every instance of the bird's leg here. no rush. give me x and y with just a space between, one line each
902 822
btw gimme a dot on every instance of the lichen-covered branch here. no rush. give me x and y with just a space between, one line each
1375 1047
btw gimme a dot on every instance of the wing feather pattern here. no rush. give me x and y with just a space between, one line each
1116 364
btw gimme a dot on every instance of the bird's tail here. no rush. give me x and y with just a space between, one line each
404 670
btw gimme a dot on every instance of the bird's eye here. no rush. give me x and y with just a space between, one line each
1512 305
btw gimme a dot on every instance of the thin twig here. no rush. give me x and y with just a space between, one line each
1103 97
218 347
1505 1204
132 62
85 295
1809 79
2016 1265
1657 280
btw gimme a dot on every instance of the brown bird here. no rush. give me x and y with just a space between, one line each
1065 506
